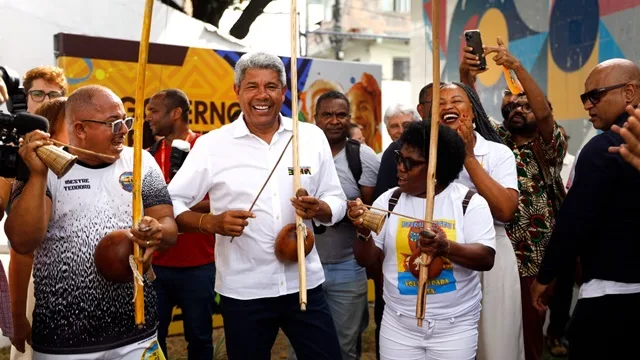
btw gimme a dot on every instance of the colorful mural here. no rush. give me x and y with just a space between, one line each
558 42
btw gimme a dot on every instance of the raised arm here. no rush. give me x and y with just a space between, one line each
28 220
469 67
535 96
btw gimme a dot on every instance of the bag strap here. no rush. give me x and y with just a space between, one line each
393 200
154 148
467 200
352 151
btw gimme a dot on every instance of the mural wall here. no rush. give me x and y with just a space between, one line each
558 42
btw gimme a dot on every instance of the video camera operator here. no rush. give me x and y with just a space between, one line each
41 84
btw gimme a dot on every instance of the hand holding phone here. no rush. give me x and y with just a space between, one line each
474 41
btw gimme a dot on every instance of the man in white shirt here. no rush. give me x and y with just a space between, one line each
259 294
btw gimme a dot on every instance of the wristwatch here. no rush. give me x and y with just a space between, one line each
364 238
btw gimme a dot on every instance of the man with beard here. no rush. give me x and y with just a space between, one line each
185 273
530 130
598 223
78 313
345 286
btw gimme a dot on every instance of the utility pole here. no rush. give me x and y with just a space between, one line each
336 40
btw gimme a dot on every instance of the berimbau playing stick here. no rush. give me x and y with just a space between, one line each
425 259
137 155
300 227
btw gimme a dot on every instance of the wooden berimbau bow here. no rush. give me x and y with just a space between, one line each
425 259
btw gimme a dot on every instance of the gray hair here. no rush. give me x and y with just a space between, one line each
259 60
399 109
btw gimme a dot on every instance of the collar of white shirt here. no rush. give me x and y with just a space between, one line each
482 145
240 128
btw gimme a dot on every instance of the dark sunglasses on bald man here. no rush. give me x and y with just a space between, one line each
116 125
407 162
595 95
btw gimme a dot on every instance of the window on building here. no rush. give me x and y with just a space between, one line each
401 68
402 6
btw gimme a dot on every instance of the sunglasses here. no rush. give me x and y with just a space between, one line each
116 125
595 95
407 162
39 95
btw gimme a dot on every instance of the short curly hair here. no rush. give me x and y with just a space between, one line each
48 73
451 150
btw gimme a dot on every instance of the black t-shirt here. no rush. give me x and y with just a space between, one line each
388 173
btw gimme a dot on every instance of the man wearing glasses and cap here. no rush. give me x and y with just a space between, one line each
78 314
598 223
531 132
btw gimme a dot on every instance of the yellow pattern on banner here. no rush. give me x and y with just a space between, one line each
203 76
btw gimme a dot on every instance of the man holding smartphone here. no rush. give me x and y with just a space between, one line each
530 130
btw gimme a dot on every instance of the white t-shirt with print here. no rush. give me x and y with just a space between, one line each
497 160
456 291
76 309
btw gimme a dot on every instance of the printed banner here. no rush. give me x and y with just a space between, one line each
207 77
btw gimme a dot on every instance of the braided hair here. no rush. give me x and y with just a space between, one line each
483 124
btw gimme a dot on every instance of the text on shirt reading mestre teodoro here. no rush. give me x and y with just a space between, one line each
84 182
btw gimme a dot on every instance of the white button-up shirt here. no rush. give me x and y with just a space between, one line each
231 165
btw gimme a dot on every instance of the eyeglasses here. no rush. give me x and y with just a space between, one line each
116 125
407 162
595 95
508 108
39 95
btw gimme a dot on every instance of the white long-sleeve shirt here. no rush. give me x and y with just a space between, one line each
231 165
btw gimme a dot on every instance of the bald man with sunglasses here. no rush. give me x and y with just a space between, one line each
598 223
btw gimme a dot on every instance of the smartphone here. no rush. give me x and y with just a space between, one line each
474 40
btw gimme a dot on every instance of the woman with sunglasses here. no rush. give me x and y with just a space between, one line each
490 169
464 240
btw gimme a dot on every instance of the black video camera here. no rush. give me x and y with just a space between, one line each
15 125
